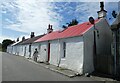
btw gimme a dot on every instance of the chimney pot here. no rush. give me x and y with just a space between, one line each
102 12
49 30
32 35
49 26
23 38
17 39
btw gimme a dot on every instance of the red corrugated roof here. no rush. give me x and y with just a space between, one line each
76 30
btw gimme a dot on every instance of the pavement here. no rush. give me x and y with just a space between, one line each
60 70
68 72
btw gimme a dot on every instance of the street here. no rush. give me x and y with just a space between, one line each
16 68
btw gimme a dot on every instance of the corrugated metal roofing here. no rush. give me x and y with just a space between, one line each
76 30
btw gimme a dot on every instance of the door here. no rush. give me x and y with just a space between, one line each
48 52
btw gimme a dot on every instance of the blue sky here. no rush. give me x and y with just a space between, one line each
20 17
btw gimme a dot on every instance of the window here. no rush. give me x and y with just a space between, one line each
64 49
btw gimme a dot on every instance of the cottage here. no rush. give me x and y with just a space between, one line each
9 48
116 44
15 48
74 47
26 45
12 48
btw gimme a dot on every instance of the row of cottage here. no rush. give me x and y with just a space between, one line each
75 47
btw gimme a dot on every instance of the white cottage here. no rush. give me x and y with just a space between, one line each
16 48
9 48
26 45
12 48
73 48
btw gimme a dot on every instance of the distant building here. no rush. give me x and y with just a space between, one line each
26 46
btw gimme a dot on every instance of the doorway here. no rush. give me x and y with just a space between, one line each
48 52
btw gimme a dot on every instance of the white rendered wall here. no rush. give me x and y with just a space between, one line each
54 52
43 52
14 50
88 66
33 47
27 51
74 54
105 38
103 44
21 50
9 49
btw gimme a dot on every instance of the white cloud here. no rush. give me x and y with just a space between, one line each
86 10
80 0
5 37
33 15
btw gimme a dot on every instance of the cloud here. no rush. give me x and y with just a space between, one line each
86 9
5 37
2 37
31 15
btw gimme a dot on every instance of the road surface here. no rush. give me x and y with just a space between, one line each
16 68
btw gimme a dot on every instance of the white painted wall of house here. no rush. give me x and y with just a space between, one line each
74 54
21 50
105 39
103 44
42 52
9 49
26 54
54 52
33 47
88 39
42 55
14 50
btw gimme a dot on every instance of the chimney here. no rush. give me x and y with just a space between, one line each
49 30
17 39
23 38
32 35
102 12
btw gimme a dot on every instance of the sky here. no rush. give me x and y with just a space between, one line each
21 17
